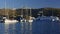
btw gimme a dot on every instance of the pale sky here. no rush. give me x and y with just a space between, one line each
30 3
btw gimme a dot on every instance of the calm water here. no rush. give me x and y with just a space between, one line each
37 27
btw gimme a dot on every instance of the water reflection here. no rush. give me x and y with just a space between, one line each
37 27
18 28
2 28
10 28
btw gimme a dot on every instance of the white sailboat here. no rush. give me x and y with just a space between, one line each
6 19
22 20
54 18
30 17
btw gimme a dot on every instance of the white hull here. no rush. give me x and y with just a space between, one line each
30 20
7 21
23 20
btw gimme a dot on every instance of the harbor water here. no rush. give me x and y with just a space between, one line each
36 27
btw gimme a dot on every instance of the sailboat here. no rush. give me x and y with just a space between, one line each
30 17
54 18
6 19
11 20
22 20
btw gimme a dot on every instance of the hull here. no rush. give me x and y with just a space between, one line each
7 21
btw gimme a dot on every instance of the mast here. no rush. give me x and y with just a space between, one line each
13 12
14 9
22 12
52 13
6 13
5 8
42 13
30 13
26 13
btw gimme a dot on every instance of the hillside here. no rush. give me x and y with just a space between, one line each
34 12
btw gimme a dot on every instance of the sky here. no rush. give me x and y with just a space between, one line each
29 3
